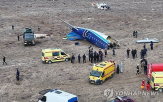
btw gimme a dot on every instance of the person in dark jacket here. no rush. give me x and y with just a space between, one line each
79 58
18 37
113 52
97 56
151 45
137 69
91 57
17 75
84 58
128 52
105 52
4 60
72 58
118 69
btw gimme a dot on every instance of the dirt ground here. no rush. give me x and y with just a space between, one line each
120 21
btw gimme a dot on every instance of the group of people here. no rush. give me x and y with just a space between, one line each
94 57
79 58
135 34
147 85
133 53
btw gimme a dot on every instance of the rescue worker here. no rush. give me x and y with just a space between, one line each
17 75
128 52
148 86
118 69
84 58
4 60
151 45
137 69
143 85
79 58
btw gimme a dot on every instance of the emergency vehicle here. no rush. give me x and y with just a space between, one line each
58 96
101 72
155 67
54 55
157 81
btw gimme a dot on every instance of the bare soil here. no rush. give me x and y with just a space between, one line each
119 22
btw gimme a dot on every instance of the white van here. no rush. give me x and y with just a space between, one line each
58 96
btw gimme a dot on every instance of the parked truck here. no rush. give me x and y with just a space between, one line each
155 67
28 36
58 96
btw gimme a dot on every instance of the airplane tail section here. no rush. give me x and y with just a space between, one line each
69 25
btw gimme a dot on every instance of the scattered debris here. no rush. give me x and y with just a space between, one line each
146 40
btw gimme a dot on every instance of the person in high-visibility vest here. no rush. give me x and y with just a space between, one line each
148 86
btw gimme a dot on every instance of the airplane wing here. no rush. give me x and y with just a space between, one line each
73 36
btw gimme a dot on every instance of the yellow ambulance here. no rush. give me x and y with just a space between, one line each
54 55
156 81
101 72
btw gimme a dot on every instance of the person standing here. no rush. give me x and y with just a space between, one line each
135 52
105 52
144 46
137 69
143 85
18 37
4 60
79 58
148 86
84 58
113 52
121 67
17 75
97 56
128 52
38 28
12 27
72 58
118 69
91 57
132 52
151 45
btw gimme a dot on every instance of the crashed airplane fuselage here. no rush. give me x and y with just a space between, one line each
97 38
